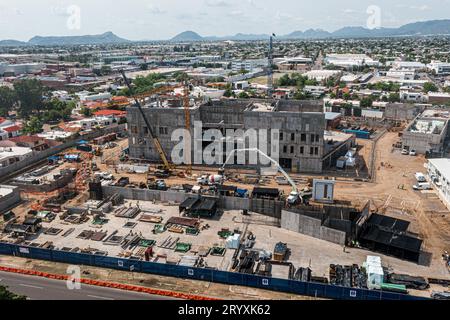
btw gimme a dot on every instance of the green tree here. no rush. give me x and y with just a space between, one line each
430 87
228 92
243 95
7 100
181 76
366 102
5 294
394 97
29 94
33 126
144 84
86 112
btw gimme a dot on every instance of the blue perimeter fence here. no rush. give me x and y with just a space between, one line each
312 289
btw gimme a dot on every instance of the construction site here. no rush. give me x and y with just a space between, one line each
357 224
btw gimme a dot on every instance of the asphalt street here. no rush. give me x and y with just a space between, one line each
37 288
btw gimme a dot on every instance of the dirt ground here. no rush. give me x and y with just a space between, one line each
392 193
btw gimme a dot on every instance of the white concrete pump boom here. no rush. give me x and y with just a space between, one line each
288 178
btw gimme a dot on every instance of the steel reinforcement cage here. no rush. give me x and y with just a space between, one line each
312 289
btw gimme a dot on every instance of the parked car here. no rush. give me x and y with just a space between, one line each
420 177
412 152
405 152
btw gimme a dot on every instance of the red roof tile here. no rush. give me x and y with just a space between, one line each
27 139
108 112
12 128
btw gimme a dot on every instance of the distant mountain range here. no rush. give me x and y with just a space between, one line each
425 28
105 38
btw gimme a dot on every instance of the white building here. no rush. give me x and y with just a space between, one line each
91 123
315 90
440 68
321 75
350 60
402 74
412 96
86 96
408 65
249 65
10 155
439 174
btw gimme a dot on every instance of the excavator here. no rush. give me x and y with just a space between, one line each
294 196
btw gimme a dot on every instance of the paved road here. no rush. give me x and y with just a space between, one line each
37 288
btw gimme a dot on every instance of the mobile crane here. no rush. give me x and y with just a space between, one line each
293 197
166 164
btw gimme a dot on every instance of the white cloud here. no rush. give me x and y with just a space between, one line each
420 8
348 10
155 10
217 3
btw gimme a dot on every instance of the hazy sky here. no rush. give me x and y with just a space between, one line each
162 19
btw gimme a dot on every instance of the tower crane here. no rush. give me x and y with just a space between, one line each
294 196
187 115
270 67
167 165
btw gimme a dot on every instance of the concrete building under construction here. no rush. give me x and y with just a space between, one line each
301 126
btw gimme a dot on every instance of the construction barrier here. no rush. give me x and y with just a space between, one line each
312 289
166 293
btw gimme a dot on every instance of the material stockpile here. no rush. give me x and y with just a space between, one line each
175 229
131 240
418 283
126 212
158 228
247 261
182 247
169 243
280 251
218 251
150 218
348 276
185 222
264 269
189 261
303 274
233 241
225 233
192 231
341 275
147 243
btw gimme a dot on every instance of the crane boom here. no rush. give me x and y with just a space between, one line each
288 178
155 139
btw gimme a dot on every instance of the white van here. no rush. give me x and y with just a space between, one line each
422 186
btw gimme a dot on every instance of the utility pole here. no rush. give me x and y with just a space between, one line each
270 67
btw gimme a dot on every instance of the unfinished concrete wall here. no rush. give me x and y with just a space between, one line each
303 119
311 226
48 186
269 208
9 200
332 235
402 111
